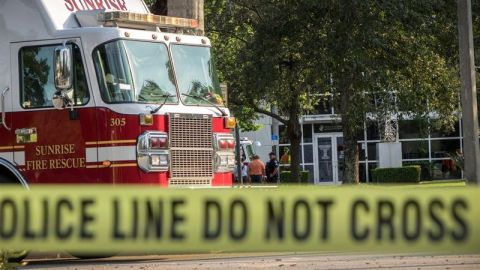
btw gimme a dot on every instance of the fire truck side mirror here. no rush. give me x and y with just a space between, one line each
63 68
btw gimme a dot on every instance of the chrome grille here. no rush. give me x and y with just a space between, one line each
191 149
191 130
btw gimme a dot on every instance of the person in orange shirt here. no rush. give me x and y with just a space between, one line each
256 170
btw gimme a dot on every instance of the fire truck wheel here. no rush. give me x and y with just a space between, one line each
7 177
87 256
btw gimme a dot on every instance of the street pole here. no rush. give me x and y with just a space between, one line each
468 93
237 155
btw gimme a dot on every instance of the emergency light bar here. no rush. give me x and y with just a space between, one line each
116 17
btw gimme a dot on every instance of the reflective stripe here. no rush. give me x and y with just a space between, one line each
7 156
17 157
113 153
91 155
20 158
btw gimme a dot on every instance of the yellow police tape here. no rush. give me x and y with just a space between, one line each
105 218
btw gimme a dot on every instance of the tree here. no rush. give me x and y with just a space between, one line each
262 53
287 54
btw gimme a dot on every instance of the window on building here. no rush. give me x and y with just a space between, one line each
307 133
443 148
372 131
37 77
282 129
308 153
443 132
415 149
361 151
412 129
372 151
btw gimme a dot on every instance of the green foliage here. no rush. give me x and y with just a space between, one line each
288 54
10 260
426 169
407 174
286 177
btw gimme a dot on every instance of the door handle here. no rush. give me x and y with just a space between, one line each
4 123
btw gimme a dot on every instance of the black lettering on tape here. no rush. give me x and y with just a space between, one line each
63 232
299 233
461 233
177 220
86 218
385 215
238 206
439 233
411 206
154 220
134 230
275 220
8 212
355 217
45 221
117 233
325 206
27 231
212 210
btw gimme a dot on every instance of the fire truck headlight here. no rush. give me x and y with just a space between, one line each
231 160
159 160
152 152
224 142
224 162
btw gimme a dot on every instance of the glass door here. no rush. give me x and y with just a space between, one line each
324 156
329 158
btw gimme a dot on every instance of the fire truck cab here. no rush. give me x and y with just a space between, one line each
103 91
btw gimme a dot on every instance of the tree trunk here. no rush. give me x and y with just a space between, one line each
160 7
295 135
349 126
351 171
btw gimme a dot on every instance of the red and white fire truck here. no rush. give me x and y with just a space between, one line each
102 91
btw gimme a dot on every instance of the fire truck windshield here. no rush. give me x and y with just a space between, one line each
196 75
135 72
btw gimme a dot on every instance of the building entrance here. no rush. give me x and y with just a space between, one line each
329 158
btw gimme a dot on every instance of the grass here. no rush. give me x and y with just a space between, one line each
425 184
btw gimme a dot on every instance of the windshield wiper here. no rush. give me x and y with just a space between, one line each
166 97
209 102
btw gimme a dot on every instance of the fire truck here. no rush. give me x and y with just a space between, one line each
103 91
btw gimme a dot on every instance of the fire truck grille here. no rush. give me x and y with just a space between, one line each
191 149
191 130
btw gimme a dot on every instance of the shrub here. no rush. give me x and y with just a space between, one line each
426 167
286 177
407 174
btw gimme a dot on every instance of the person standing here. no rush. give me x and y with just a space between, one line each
271 168
256 170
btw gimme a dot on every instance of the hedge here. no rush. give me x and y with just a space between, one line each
286 177
426 167
407 174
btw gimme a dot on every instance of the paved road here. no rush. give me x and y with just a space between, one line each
262 261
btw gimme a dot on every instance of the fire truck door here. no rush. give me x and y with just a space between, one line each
53 142
6 138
